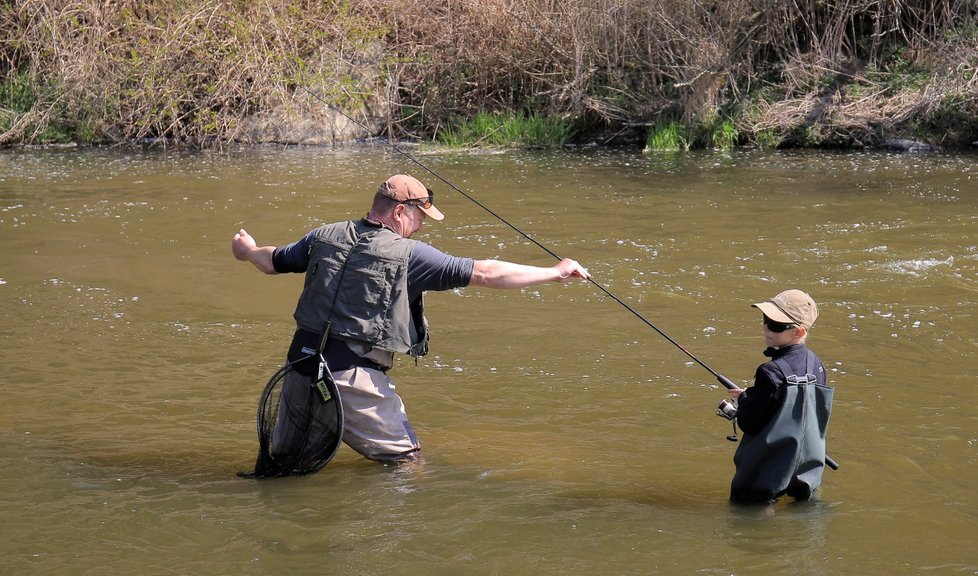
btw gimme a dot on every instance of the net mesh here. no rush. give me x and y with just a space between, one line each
300 424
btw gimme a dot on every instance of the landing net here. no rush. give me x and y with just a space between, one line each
300 422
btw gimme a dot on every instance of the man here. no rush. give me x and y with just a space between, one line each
366 279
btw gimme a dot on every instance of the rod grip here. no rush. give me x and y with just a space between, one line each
726 382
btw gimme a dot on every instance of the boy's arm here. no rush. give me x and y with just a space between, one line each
757 404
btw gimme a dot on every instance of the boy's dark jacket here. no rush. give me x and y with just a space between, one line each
784 416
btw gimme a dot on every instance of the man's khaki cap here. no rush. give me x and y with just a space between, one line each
790 307
402 187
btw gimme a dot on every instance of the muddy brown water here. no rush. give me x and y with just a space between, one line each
562 435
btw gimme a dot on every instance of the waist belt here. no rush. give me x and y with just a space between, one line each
337 354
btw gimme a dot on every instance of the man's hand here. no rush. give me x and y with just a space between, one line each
242 244
244 248
568 268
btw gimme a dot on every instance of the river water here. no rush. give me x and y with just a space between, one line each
562 434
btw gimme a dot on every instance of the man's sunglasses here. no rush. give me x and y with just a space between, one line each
777 327
425 202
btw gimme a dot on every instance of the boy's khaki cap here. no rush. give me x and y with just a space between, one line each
790 307
402 187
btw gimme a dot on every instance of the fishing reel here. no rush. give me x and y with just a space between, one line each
727 409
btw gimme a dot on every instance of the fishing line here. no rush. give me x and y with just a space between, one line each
722 379
726 382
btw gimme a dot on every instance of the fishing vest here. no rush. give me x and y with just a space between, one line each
788 455
357 281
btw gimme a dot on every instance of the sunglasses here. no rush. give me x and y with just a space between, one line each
426 202
777 327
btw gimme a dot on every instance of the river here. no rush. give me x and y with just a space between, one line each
562 435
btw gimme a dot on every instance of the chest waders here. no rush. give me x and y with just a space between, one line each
788 455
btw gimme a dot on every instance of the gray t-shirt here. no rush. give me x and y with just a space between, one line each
428 269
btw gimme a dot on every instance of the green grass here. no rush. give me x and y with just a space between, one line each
724 135
769 139
669 135
18 96
507 131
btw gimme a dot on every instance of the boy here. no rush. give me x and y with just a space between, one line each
785 413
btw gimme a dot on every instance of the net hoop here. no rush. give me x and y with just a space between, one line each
302 434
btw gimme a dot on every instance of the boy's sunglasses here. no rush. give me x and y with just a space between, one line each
777 327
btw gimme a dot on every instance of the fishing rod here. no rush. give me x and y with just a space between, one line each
726 382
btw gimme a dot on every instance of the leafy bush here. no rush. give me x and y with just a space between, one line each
197 72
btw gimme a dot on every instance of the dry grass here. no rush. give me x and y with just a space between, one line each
174 69
200 71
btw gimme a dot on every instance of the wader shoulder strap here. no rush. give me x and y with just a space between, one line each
794 379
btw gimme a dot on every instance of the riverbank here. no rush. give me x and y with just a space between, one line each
616 73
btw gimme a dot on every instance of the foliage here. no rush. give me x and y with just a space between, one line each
178 70
18 99
955 118
670 135
799 72
719 133
507 130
